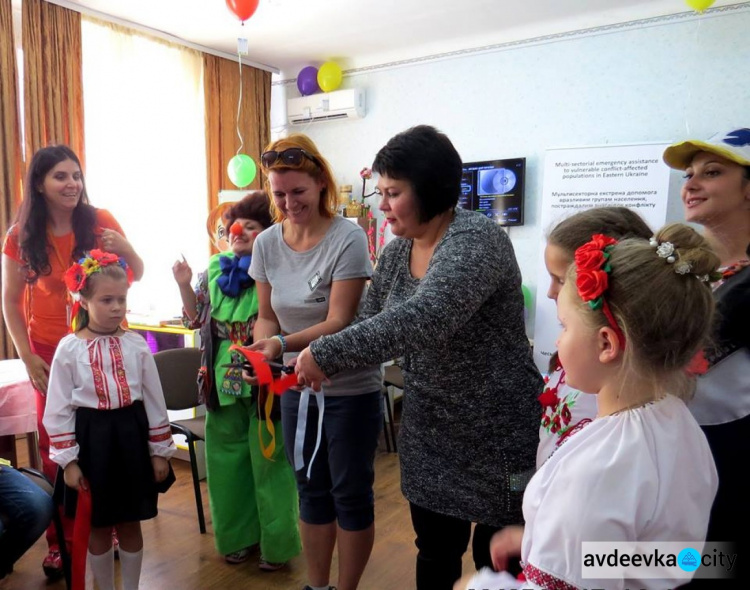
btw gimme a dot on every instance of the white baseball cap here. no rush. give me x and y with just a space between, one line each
732 145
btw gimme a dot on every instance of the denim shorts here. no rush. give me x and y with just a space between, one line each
340 484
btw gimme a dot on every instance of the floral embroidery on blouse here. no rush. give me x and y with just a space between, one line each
556 411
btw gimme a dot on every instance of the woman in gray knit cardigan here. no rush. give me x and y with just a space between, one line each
446 295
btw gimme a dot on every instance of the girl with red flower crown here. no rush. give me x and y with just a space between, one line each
641 471
565 409
107 420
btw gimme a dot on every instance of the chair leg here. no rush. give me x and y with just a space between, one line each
196 485
64 554
389 409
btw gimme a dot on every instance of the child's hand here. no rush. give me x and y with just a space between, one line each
161 468
504 545
73 477
182 272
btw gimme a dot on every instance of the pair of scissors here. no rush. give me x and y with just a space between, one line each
277 368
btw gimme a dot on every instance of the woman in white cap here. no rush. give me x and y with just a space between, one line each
716 195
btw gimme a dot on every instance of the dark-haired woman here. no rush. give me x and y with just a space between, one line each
716 195
446 295
54 225
251 486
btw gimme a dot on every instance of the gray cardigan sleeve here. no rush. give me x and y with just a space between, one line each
466 268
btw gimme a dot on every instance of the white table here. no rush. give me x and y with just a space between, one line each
17 411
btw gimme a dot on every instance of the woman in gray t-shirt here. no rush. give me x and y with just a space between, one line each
446 296
310 270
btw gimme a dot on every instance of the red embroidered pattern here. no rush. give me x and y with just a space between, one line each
160 437
545 580
96 373
118 367
63 444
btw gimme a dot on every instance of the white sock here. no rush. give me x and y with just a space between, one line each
130 568
326 587
103 568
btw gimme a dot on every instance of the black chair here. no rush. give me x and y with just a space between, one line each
41 481
392 377
178 371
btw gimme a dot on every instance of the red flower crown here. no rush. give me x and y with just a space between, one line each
592 276
93 262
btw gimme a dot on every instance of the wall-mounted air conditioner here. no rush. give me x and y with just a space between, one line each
329 106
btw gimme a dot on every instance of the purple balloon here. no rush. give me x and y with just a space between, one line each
307 81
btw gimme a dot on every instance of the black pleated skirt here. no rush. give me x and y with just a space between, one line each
114 457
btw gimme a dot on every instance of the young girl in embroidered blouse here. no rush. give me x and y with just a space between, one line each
564 407
107 418
633 316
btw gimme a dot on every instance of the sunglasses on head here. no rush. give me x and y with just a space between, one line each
290 157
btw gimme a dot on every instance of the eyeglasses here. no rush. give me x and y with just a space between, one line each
290 157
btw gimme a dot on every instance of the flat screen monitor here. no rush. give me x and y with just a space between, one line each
495 188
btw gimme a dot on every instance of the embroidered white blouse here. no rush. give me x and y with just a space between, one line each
106 373
645 474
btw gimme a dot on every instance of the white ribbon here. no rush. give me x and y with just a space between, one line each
299 435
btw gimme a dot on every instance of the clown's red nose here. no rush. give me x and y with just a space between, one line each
236 229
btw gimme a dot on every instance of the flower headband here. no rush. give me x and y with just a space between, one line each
93 262
592 277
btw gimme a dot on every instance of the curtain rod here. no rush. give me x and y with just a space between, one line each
160 34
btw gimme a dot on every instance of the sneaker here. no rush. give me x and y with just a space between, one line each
329 588
268 566
52 564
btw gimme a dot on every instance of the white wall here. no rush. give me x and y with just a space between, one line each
671 79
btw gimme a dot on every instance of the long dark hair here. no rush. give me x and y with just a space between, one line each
33 216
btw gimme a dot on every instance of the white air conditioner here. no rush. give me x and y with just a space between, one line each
329 106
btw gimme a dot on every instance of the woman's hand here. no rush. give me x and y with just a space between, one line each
269 347
504 545
308 371
161 468
115 242
182 272
73 477
38 371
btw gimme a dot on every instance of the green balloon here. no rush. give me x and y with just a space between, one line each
241 170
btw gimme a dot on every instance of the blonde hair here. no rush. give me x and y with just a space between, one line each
321 173
666 317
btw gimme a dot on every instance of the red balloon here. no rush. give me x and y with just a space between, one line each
244 9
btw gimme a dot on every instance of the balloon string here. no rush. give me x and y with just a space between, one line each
239 105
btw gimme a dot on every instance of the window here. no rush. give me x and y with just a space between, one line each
146 153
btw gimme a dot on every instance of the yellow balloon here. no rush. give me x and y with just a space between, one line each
329 76
700 5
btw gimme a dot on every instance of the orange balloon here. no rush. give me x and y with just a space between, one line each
244 9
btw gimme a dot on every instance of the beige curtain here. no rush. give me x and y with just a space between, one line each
221 83
11 164
53 78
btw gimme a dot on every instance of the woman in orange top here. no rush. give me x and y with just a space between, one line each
54 225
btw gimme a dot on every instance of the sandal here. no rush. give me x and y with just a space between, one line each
240 556
268 566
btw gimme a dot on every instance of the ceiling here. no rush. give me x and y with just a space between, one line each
286 35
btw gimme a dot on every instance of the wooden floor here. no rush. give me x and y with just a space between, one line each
177 556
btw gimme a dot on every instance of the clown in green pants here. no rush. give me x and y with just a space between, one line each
253 499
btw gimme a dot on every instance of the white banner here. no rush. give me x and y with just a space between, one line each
632 176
